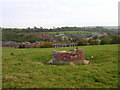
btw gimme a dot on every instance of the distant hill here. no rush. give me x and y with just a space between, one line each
111 27
107 27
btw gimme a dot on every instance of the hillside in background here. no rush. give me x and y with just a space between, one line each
18 35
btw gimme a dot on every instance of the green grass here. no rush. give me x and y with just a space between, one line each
27 68
62 32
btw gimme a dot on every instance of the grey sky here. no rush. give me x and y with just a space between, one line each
57 13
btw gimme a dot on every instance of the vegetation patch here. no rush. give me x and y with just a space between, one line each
29 70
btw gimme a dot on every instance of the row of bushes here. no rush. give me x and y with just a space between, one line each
45 45
106 40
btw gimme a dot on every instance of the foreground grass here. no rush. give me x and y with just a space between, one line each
27 68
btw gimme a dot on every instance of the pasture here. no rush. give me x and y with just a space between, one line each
62 32
28 68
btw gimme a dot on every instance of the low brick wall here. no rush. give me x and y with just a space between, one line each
75 56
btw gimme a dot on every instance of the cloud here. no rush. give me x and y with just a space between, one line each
49 13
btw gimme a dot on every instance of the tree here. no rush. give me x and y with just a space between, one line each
22 46
59 39
93 42
47 45
80 43
105 41
85 41
115 39
95 37
96 42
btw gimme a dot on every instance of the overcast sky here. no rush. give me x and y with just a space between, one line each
57 13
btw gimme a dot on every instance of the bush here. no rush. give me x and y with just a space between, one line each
22 46
115 40
105 41
80 43
47 45
93 42
96 42
41 46
85 42
36 46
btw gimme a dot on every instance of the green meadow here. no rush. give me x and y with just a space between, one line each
62 32
28 68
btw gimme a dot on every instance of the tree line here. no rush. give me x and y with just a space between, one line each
17 34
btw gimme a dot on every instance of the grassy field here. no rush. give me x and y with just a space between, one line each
62 32
27 68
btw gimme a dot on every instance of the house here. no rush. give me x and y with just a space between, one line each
64 37
73 44
86 38
60 45
105 33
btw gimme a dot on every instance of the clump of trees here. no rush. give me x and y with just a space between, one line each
93 42
80 43
104 40
17 34
115 40
47 45
22 46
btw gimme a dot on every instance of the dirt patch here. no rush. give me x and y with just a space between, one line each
71 63
38 63
8 78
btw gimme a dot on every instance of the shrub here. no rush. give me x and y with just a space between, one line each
47 45
22 46
115 40
41 46
85 42
105 41
93 42
80 43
